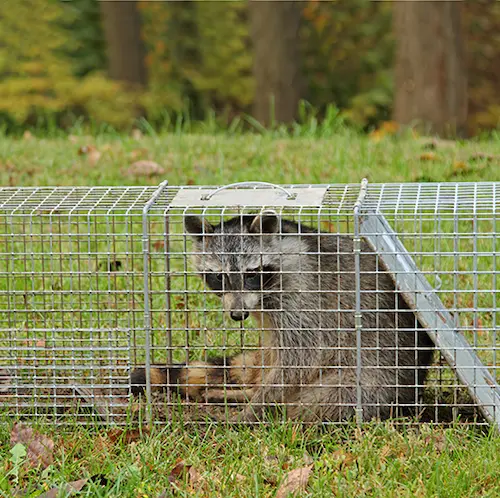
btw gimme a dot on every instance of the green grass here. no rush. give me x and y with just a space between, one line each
378 461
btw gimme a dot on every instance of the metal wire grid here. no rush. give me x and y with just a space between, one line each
90 243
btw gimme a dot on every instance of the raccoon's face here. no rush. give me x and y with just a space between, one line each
240 259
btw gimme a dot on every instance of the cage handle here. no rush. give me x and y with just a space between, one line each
289 195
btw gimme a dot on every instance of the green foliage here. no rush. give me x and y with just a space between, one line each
224 76
347 53
86 46
33 76
200 51
482 24
199 60
38 75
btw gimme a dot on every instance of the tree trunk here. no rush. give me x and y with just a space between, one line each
122 27
278 80
430 79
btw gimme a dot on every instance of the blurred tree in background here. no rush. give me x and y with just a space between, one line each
200 59
122 27
277 64
431 78
482 25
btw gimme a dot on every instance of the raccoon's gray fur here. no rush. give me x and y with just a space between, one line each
301 286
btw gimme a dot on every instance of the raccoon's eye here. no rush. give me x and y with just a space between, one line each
214 280
252 280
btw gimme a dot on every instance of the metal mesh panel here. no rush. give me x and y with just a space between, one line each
323 317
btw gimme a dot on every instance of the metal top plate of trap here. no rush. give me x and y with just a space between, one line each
254 194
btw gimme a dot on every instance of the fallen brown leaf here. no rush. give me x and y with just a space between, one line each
85 149
438 442
127 435
344 459
460 168
177 470
386 128
69 488
194 477
428 156
39 448
139 153
159 245
93 155
295 480
145 168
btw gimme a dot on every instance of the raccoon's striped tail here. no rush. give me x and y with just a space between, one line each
214 380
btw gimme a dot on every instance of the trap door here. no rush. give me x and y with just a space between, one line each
432 313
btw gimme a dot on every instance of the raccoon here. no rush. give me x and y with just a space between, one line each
299 284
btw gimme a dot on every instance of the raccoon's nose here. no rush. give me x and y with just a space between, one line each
239 315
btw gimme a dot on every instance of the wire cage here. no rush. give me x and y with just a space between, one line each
250 302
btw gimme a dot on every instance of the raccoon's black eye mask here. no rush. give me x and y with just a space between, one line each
215 281
252 279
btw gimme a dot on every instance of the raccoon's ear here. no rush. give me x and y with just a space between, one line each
197 227
265 223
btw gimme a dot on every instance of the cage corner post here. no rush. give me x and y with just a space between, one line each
358 325
147 308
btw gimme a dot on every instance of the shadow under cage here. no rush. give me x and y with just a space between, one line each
250 302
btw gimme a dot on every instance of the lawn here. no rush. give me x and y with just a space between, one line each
381 460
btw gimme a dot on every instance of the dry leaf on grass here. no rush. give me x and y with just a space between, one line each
428 156
438 442
194 477
180 469
177 470
159 245
295 480
137 154
69 488
343 459
127 435
39 448
93 155
145 168
460 168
